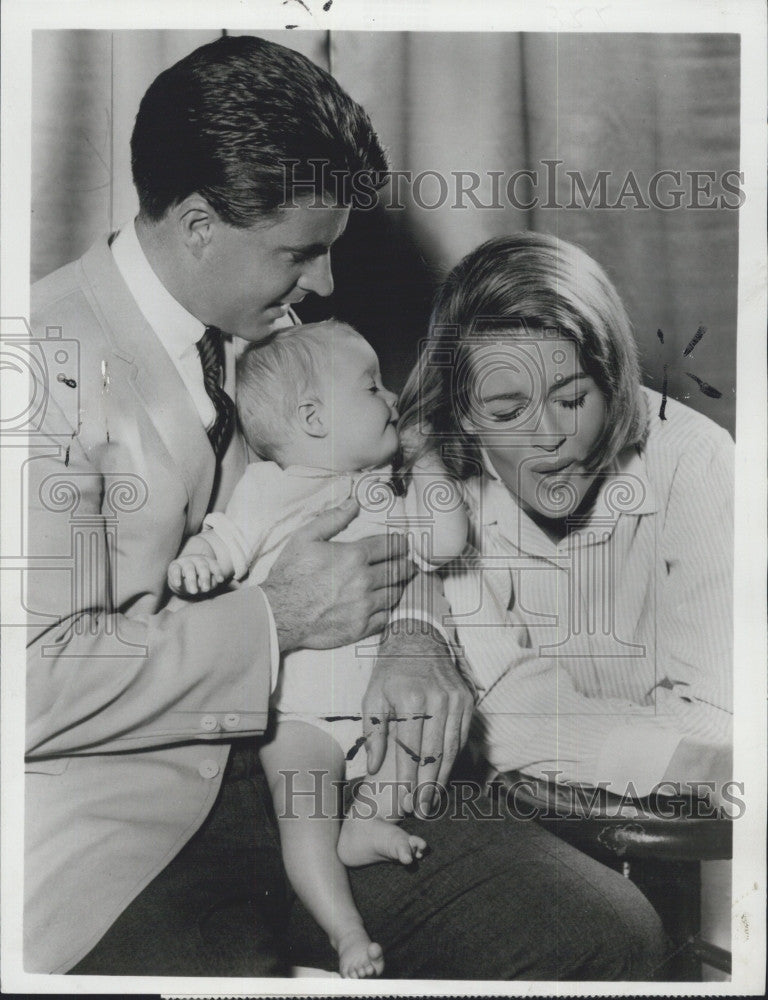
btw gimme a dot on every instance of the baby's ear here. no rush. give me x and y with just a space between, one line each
312 418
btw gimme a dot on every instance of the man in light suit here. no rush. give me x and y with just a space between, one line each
150 848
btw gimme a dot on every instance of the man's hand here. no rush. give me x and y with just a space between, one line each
326 594
417 697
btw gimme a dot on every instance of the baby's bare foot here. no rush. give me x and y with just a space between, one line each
364 841
359 957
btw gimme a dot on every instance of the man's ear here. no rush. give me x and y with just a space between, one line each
196 221
311 417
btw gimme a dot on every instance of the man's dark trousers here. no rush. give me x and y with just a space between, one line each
495 898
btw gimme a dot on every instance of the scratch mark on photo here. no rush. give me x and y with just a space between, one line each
694 341
706 388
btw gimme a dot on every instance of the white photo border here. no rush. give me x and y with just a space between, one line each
745 17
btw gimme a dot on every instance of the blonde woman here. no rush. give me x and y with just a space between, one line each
597 616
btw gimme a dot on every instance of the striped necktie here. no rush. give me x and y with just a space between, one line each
210 347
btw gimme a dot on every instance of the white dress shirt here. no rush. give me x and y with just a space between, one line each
597 654
177 330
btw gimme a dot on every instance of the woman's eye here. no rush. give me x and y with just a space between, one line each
373 388
509 415
573 404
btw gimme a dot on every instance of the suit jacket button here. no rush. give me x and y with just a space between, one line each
208 769
209 723
231 721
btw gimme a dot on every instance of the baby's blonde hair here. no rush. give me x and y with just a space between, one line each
274 376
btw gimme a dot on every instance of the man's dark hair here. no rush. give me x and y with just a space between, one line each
243 121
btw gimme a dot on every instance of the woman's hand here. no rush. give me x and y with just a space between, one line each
417 697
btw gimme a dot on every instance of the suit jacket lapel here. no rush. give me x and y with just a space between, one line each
158 385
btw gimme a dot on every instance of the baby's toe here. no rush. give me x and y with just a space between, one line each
418 846
404 854
377 959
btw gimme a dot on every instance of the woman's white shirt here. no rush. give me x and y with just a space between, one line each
597 654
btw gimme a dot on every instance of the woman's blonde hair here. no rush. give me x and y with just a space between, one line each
513 285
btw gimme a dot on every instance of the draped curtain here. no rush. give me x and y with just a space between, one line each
443 103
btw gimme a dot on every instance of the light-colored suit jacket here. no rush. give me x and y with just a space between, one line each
130 705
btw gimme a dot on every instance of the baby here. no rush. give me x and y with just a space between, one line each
312 405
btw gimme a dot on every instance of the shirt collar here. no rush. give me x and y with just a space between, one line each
177 329
625 490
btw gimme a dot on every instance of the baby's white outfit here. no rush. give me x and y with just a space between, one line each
322 687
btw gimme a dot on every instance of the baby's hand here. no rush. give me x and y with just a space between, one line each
194 574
